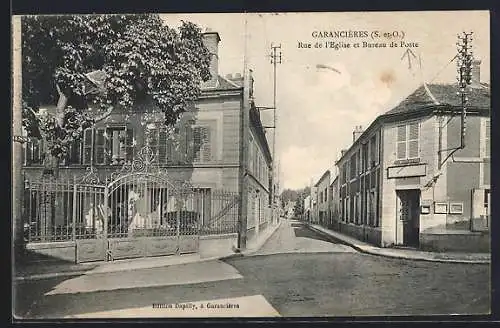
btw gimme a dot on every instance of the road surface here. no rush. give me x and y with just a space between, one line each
296 273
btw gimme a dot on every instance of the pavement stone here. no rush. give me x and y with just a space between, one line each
469 258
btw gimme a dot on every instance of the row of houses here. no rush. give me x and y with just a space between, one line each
406 180
219 148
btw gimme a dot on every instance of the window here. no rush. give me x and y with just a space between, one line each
255 161
107 146
100 146
408 141
365 165
33 152
359 162
373 151
202 144
250 155
74 153
88 141
487 136
353 166
118 145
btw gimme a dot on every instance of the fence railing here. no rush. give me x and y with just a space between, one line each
68 211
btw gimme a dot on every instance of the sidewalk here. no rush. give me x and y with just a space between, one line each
37 270
470 258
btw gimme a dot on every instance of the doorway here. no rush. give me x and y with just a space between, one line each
409 215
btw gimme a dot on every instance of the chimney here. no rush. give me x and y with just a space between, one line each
211 40
358 130
476 73
342 152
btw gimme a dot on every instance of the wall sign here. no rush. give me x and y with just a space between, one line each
440 208
407 171
425 209
456 208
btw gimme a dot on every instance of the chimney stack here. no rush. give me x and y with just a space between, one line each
211 40
476 73
358 131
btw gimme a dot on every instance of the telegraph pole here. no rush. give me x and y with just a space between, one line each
464 64
275 59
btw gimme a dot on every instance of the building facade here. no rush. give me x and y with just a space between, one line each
407 180
307 208
205 148
334 204
322 199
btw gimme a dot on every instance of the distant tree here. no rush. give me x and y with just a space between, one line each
98 62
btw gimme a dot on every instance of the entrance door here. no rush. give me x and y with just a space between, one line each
410 216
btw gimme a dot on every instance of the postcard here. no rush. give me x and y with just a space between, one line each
251 165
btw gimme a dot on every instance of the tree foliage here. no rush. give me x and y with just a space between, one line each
139 57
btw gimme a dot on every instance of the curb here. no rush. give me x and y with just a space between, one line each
255 249
231 255
262 243
401 257
90 273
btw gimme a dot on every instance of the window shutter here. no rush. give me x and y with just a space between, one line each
206 144
413 140
188 150
100 147
162 144
197 143
129 144
401 142
487 135
250 155
87 146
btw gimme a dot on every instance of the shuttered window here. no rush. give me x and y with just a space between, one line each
487 135
408 137
33 152
104 146
202 144
250 154
100 146
87 146
74 153
163 146
353 167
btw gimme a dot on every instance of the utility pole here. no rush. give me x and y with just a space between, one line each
464 64
275 59
17 182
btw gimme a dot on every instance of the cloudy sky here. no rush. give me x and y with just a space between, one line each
319 107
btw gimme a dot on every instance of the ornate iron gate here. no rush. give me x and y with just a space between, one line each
138 211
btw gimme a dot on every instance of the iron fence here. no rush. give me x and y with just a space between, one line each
133 206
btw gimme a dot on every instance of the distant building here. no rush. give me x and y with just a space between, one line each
322 197
405 182
307 208
334 204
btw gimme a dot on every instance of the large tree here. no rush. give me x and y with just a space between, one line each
90 64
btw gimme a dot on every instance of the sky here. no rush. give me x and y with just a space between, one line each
318 108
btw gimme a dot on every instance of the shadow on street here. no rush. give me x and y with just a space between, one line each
300 230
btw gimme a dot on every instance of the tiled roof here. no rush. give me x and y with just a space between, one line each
442 94
429 95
